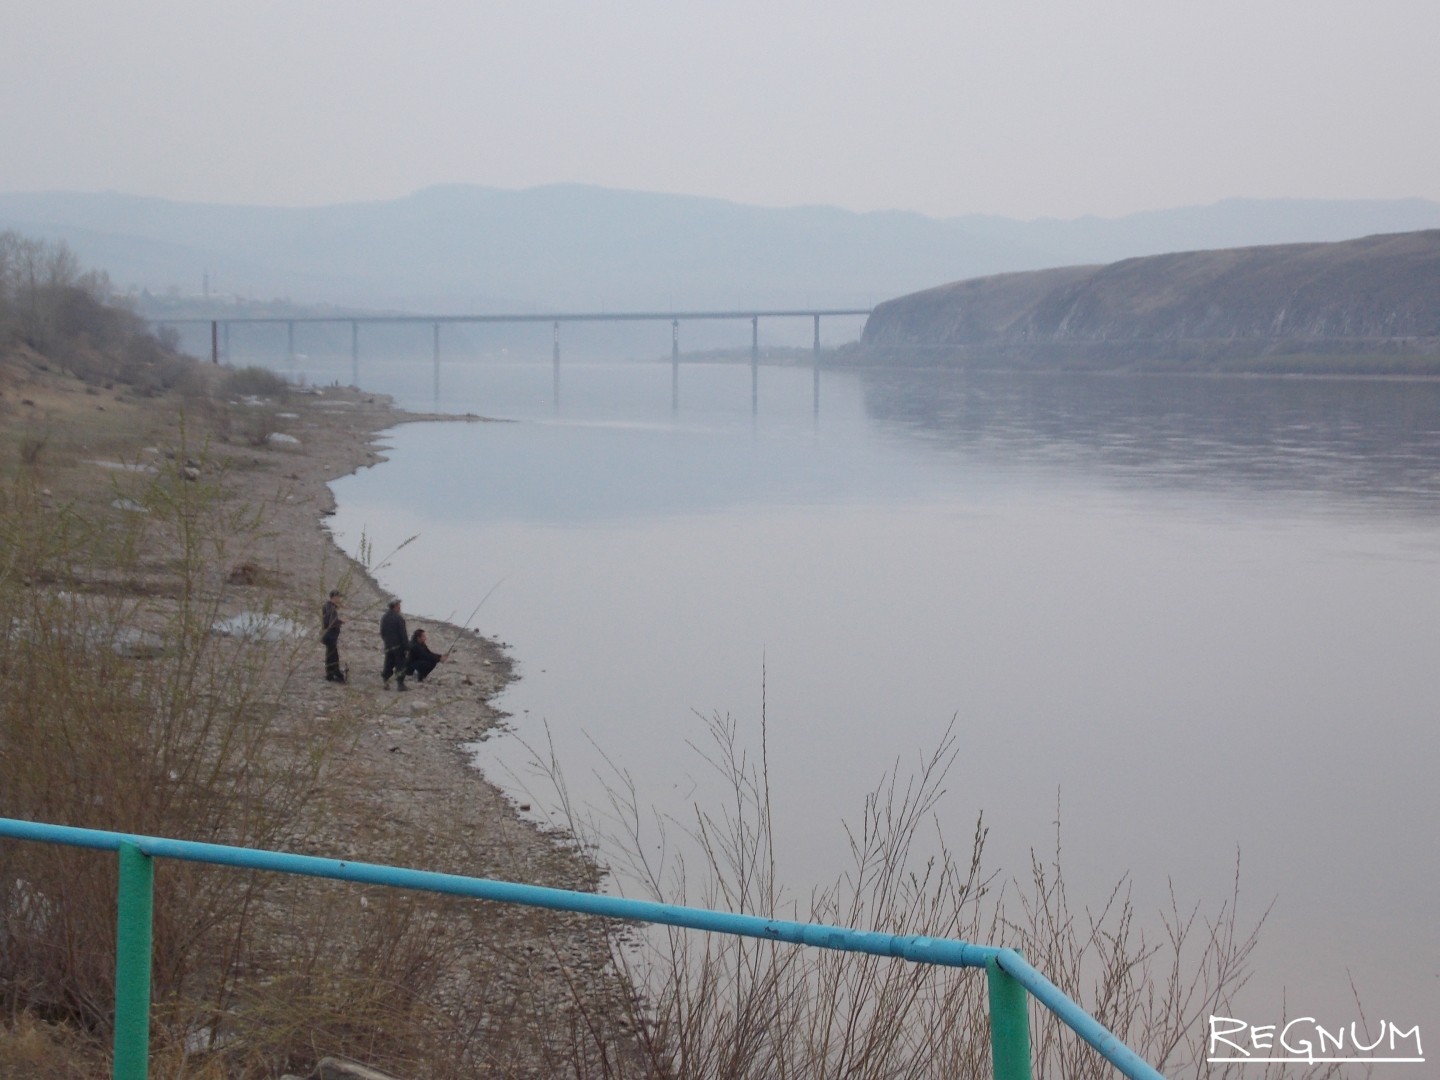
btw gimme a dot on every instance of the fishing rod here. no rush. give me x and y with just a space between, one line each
470 618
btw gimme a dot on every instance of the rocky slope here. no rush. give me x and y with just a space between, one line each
1376 296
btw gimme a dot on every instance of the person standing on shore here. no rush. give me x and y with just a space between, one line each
397 645
330 623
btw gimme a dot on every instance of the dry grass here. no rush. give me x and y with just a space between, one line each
125 712
31 1049
711 1005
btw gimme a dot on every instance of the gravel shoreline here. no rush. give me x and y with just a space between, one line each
237 481
339 433
407 781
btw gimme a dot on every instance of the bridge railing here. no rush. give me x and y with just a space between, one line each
1011 980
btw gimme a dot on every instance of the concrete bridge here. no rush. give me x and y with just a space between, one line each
220 331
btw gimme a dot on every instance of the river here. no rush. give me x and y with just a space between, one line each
1197 615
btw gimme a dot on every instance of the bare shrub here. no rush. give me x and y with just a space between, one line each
183 737
31 447
713 1005
347 972
256 425
254 382
93 736
183 375
31 1049
51 304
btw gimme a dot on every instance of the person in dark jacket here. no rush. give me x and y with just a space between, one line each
397 644
330 623
422 660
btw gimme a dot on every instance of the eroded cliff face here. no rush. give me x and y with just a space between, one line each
1374 294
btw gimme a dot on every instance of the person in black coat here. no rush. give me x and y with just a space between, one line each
422 660
330 623
397 644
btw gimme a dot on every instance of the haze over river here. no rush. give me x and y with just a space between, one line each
1201 615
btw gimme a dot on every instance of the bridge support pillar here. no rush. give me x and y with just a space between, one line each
754 364
355 354
437 362
214 341
815 364
555 359
226 343
674 365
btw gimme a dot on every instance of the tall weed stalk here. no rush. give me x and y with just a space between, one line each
711 1005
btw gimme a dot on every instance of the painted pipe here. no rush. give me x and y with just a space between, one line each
1004 965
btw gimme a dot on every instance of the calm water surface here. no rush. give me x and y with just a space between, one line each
1198 615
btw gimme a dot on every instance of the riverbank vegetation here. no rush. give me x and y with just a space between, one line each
62 315
160 569
713 1005
143 507
136 701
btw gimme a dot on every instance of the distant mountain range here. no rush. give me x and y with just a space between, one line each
1371 304
473 249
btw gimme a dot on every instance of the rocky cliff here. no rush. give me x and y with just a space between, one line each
1378 296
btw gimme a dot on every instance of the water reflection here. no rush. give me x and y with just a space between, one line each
1201 609
1368 442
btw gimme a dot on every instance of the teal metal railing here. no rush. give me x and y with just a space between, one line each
1011 980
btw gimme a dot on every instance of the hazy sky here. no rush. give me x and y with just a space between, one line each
1024 108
